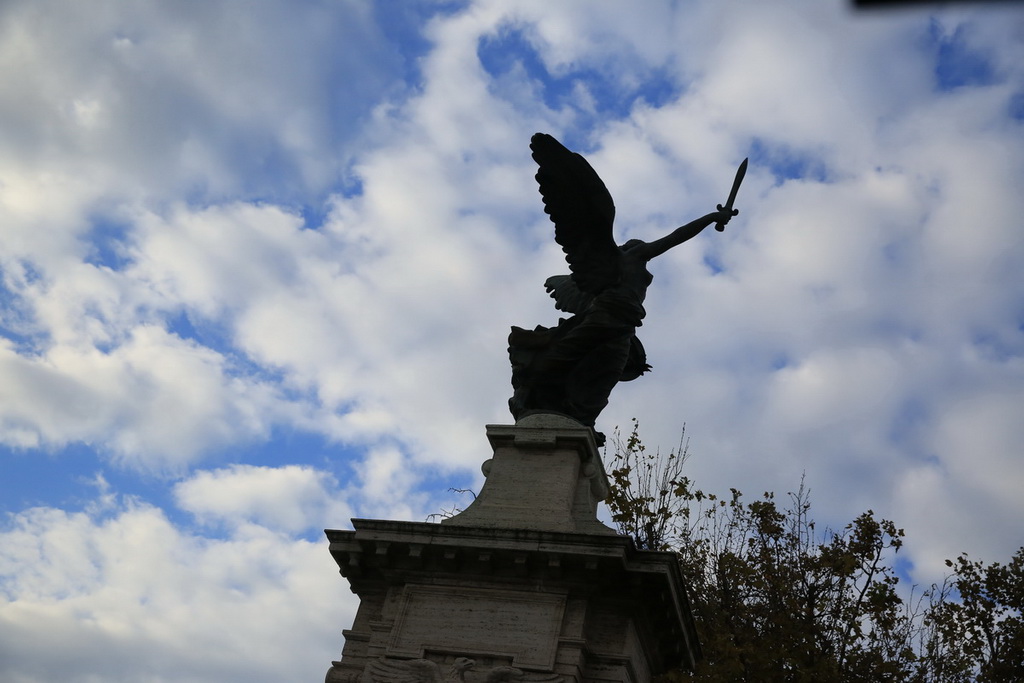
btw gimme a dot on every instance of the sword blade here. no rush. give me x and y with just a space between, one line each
740 172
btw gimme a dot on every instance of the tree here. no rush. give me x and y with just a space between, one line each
775 599
982 633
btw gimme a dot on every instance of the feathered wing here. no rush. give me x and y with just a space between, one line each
566 294
583 213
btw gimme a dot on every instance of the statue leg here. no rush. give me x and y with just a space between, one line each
570 369
591 381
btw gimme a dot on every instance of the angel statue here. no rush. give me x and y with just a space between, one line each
572 368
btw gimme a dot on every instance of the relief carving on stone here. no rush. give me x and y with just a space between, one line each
462 670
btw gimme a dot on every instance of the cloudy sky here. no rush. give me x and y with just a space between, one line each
258 262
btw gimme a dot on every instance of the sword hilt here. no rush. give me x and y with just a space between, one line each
719 226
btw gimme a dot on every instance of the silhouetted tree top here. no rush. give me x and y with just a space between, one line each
775 598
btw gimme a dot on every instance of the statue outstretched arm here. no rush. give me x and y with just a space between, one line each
720 218
683 233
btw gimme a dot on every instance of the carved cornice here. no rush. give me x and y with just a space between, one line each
379 553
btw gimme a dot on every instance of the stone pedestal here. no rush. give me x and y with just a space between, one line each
525 584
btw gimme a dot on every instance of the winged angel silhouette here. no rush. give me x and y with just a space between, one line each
572 368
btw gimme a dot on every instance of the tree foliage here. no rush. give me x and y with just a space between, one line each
776 598
981 635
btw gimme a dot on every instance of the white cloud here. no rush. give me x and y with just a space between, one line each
291 499
156 401
127 596
864 327
217 260
975 466
217 95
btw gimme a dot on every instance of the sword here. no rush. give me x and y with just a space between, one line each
740 172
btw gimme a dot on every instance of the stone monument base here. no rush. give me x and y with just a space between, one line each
524 585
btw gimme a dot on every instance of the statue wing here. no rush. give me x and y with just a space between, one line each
582 210
566 294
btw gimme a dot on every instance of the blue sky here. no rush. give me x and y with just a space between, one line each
258 264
